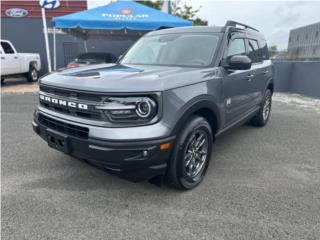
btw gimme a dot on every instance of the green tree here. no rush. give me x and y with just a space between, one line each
200 22
154 4
179 9
273 50
187 12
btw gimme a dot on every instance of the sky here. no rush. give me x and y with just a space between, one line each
273 18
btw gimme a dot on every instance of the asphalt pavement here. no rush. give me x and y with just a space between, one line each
262 183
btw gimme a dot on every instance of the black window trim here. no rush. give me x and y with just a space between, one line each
10 45
232 39
259 48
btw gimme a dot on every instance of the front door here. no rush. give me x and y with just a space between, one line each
236 84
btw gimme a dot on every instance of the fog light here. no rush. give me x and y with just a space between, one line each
145 153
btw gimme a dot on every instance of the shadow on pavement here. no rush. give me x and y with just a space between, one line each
18 85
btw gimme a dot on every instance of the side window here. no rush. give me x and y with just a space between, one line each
254 53
236 47
7 48
264 50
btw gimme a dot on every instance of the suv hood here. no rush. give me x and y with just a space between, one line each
123 78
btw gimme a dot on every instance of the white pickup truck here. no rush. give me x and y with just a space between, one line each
14 63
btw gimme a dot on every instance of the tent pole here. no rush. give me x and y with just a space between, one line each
45 32
54 50
85 45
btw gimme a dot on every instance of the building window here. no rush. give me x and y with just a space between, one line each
317 34
290 39
306 36
298 37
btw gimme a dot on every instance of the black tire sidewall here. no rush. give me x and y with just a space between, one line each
264 121
178 174
29 75
258 120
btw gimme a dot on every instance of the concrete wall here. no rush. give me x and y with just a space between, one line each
298 77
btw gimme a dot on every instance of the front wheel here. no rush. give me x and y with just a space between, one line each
32 75
191 154
263 115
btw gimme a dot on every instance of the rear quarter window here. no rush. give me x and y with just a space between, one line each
264 49
254 52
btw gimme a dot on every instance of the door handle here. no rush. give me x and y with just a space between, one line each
3 58
266 72
15 57
249 77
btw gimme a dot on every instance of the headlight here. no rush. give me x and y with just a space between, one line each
129 108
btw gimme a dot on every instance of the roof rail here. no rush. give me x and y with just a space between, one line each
230 23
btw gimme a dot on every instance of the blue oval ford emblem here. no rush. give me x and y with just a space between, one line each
16 12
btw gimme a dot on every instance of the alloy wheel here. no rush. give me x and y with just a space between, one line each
34 75
266 107
196 153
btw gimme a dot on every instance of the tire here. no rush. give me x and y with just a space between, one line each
32 75
262 117
182 171
2 80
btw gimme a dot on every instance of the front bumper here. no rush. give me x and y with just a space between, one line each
130 159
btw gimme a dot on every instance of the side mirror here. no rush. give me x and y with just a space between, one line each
238 62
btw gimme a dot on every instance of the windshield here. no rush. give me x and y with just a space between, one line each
187 49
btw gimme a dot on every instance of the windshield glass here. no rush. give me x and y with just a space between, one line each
187 49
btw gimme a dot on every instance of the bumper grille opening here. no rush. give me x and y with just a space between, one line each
66 128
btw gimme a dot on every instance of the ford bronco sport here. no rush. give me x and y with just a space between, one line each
157 111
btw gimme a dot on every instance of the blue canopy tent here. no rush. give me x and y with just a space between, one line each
119 24
118 16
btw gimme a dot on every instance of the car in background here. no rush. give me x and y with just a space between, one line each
17 64
90 58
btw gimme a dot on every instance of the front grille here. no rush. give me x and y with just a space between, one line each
66 128
89 114
67 93
82 97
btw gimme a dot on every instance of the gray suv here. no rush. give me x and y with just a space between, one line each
155 114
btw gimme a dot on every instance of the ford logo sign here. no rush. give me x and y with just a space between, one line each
16 12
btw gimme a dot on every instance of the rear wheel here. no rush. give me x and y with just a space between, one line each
32 75
2 80
191 154
263 115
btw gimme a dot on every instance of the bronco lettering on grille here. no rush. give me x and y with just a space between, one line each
63 102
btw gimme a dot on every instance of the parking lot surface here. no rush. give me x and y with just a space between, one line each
261 184
18 85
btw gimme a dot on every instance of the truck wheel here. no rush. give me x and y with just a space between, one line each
32 75
2 80
191 154
263 115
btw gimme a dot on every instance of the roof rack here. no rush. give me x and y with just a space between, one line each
235 24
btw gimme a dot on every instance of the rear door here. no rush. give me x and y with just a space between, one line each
236 83
257 81
10 62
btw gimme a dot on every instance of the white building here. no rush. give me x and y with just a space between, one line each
304 43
